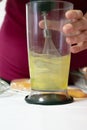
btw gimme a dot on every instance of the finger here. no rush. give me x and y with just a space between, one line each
75 27
79 47
74 14
53 25
85 15
70 30
77 38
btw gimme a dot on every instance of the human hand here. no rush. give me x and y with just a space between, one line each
76 31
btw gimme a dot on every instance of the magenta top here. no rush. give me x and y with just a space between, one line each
13 46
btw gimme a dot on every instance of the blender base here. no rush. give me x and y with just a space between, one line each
48 99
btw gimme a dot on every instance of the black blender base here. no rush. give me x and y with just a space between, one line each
48 99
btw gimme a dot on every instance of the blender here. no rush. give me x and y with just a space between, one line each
48 53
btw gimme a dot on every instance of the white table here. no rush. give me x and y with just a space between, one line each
16 114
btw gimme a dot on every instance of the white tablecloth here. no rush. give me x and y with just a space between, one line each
16 114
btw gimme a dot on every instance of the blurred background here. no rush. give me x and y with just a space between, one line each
2 11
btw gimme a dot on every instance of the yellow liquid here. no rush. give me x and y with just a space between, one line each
49 73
